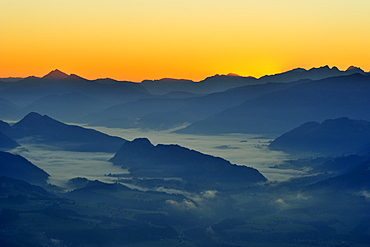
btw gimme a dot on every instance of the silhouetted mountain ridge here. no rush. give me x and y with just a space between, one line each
333 136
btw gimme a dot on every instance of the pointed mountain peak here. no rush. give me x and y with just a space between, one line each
55 75
33 118
352 68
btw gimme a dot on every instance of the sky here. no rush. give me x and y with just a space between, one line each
151 39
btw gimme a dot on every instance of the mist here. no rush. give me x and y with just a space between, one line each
64 165
240 149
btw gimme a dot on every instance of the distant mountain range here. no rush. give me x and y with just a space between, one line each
212 84
209 105
278 112
35 128
331 137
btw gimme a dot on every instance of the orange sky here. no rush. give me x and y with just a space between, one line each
151 39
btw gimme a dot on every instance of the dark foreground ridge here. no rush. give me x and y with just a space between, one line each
144 159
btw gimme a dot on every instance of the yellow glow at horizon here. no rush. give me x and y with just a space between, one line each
147 39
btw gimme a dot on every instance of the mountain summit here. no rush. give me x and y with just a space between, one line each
55 75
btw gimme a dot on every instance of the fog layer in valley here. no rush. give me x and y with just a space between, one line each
240 149
64 165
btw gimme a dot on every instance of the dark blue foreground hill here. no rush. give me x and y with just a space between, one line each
45 130
334 136
144 159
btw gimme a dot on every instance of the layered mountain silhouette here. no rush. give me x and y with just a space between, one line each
282 110
36 128
15 166
335 136
219 83
164 112
144 159
69 107
8 110
126 104
56 84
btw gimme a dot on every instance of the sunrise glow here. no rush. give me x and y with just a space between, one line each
145 39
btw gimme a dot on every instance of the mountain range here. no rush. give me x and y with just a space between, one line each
35 128
278 112
268 105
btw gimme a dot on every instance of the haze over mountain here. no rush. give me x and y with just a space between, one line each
89 100
280 111
70 106
164 112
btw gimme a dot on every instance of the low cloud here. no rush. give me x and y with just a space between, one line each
209 194
184 205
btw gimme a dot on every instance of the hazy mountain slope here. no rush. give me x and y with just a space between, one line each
8 110
145 159
16 166
36 128
70 107
7 143
283 110
337 136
